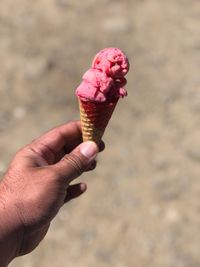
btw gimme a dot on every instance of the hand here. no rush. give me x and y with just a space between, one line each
37 184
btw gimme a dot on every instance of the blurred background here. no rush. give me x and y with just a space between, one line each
142 205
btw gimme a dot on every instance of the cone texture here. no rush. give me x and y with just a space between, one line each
94 119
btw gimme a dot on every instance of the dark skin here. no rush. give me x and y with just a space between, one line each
37 184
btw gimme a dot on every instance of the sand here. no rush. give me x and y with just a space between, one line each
142 204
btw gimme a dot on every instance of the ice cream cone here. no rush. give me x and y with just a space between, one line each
94 119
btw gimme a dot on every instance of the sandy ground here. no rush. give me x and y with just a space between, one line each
142 204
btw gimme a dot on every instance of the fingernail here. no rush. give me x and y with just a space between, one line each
89 149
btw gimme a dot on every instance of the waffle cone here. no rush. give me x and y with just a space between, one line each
94 119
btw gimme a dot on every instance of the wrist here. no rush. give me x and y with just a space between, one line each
11 231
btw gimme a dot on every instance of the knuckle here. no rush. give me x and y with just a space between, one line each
76 162
21 151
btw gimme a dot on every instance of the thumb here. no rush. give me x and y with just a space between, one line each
74 164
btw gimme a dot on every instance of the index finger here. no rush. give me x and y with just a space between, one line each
67 135
53 145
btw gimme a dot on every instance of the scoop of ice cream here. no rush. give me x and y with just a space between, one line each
105 80
112 61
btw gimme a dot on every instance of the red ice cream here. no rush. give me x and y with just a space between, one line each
105 81
102 86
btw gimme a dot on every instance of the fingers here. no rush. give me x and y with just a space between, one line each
60 136
74 191
75 163
50 146
101 146
91 166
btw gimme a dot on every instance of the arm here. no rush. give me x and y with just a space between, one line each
10 229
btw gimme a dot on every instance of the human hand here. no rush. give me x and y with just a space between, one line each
37 184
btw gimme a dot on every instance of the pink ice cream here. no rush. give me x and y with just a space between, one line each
105 81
